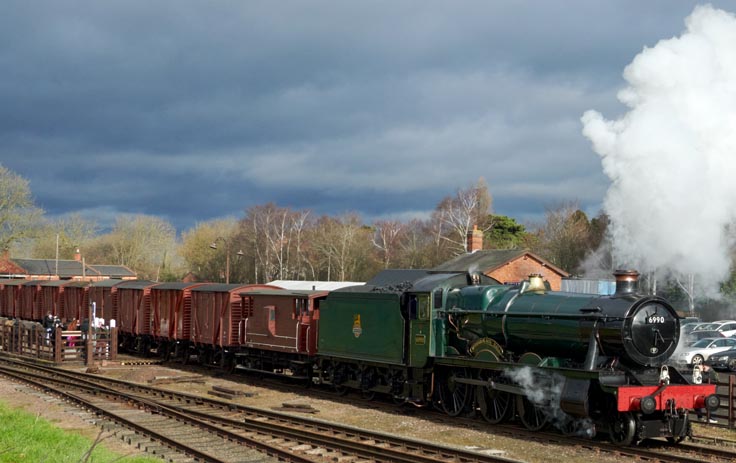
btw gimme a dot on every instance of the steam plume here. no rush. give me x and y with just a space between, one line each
672 157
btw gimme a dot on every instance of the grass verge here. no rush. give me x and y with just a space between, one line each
28 438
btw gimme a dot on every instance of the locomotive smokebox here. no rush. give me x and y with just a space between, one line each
627 282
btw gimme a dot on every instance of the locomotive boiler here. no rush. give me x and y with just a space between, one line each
579 329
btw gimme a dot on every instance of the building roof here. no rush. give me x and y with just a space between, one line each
66 269
489 260
113 271
299 285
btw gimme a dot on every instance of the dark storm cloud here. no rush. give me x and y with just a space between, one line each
193 110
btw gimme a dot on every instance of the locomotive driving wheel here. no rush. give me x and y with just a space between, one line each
622 429
495 406
453 394
532 416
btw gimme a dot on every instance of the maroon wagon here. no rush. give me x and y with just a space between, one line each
216 319
283 322
104 295
171 317
74 301
9 296
132 311
27 309
48 298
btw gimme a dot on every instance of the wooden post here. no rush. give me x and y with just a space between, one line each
58 346
90 341
731 384
114 343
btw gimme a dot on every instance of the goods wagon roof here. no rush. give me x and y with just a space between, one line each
299 285
106 283
14 282
53 282
177 285
135 284
223 288
77 284
283 292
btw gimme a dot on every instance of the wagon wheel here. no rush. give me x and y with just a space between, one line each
622 429
367 380
453 394
495 406
165 351
532 416
337 375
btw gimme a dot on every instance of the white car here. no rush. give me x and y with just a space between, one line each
701 350
727 327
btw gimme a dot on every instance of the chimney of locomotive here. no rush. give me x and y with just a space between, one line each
627 282
475 239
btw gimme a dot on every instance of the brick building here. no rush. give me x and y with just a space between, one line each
506 266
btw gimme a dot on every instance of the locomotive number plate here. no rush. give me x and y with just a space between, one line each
655 319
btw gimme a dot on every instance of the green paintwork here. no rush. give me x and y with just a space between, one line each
362 326
535 322
419 333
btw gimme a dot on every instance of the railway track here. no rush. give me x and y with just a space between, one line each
192 428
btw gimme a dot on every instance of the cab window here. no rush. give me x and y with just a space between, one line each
423 308
437 298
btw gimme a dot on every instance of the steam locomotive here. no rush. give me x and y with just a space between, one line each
583 363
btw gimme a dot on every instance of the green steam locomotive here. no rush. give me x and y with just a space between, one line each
465 343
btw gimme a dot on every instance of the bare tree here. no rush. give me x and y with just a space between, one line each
456 215
275 236
19 217
564 238
341 245
386 238
208 263
65 235
141 242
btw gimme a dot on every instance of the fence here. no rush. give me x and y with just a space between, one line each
30 339
727 411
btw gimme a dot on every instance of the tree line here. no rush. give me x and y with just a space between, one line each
272 242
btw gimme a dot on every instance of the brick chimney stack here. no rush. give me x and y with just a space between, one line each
78 255
475 239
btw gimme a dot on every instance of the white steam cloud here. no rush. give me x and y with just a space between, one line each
672 157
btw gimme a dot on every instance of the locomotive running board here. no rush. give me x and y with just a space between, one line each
503 387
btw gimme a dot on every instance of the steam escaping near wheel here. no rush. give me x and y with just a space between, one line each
544 391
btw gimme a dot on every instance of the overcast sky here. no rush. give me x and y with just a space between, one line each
197 110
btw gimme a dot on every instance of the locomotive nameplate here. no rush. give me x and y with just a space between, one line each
420 339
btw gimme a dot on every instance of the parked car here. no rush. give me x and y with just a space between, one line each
727 327
688 328
703 349
695 336
725 360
